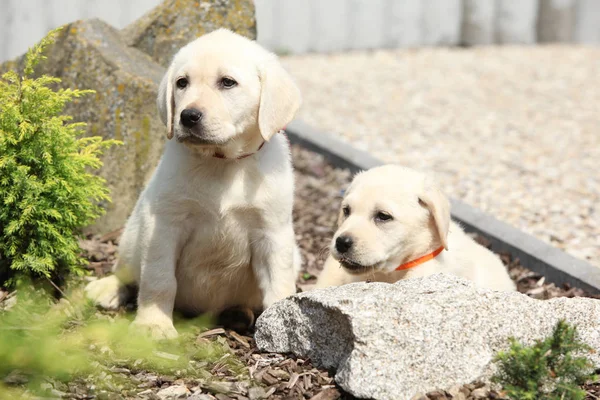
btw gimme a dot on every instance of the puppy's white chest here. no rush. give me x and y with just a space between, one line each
219 227
239 196
214 266
222 236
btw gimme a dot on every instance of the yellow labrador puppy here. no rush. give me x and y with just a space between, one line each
395 224
213 228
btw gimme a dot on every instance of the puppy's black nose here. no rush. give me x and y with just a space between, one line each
190 117
343 243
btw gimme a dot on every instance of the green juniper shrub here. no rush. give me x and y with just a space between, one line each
47 192
551 369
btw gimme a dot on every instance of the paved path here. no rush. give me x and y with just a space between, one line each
514 131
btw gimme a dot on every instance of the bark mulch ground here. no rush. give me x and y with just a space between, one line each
318 193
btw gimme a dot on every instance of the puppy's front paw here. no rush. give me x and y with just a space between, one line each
109 293
158 329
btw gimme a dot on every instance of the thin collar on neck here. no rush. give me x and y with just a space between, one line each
221 155
420 260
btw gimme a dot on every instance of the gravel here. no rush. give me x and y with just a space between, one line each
510 130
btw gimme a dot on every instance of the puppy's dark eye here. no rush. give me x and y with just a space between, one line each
382 216
346 211
182 83
228 83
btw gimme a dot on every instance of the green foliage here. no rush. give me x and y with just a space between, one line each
47 192
44 341
549 370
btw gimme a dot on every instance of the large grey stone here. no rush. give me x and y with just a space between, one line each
391 341
173 23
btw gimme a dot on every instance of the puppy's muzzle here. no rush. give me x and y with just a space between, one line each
344 246
193 132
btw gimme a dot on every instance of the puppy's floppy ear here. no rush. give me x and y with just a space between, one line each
279 98
166 101
439 207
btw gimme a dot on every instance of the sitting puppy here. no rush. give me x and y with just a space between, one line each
395 224
213 228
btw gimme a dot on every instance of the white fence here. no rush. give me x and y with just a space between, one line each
299 26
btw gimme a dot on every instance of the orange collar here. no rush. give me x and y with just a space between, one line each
420 260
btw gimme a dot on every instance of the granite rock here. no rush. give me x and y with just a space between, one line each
392 341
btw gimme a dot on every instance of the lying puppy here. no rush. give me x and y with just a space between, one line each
213 228
395 224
